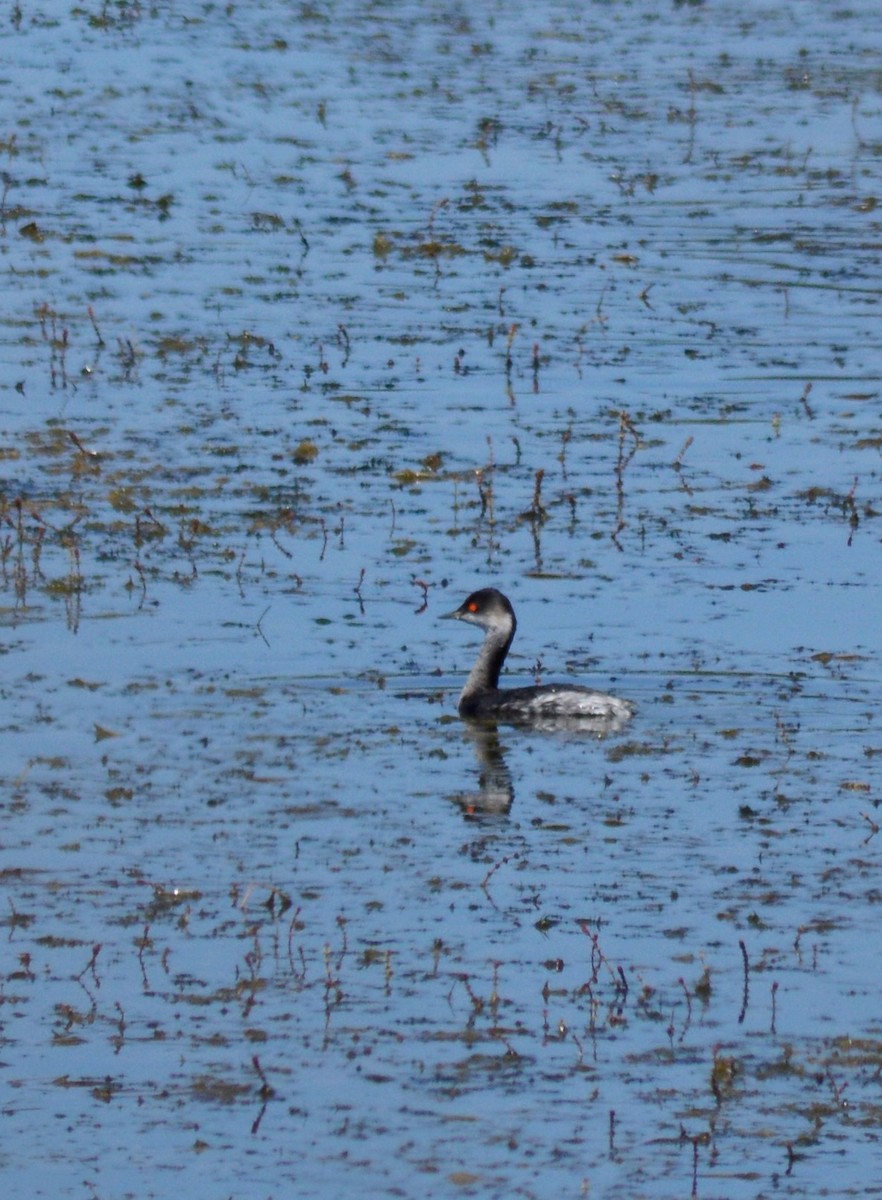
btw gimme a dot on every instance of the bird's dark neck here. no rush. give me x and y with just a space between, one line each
484 675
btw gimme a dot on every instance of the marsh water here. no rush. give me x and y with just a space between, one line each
316 317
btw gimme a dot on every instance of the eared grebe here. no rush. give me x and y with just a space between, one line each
483 698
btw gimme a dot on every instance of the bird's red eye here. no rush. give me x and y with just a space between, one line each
473 607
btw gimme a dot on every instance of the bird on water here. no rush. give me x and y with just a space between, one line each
483 699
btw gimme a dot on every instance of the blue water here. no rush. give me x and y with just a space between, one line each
278 923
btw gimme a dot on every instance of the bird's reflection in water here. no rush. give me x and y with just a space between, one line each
495 794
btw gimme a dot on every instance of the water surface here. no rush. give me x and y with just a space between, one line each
317 318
